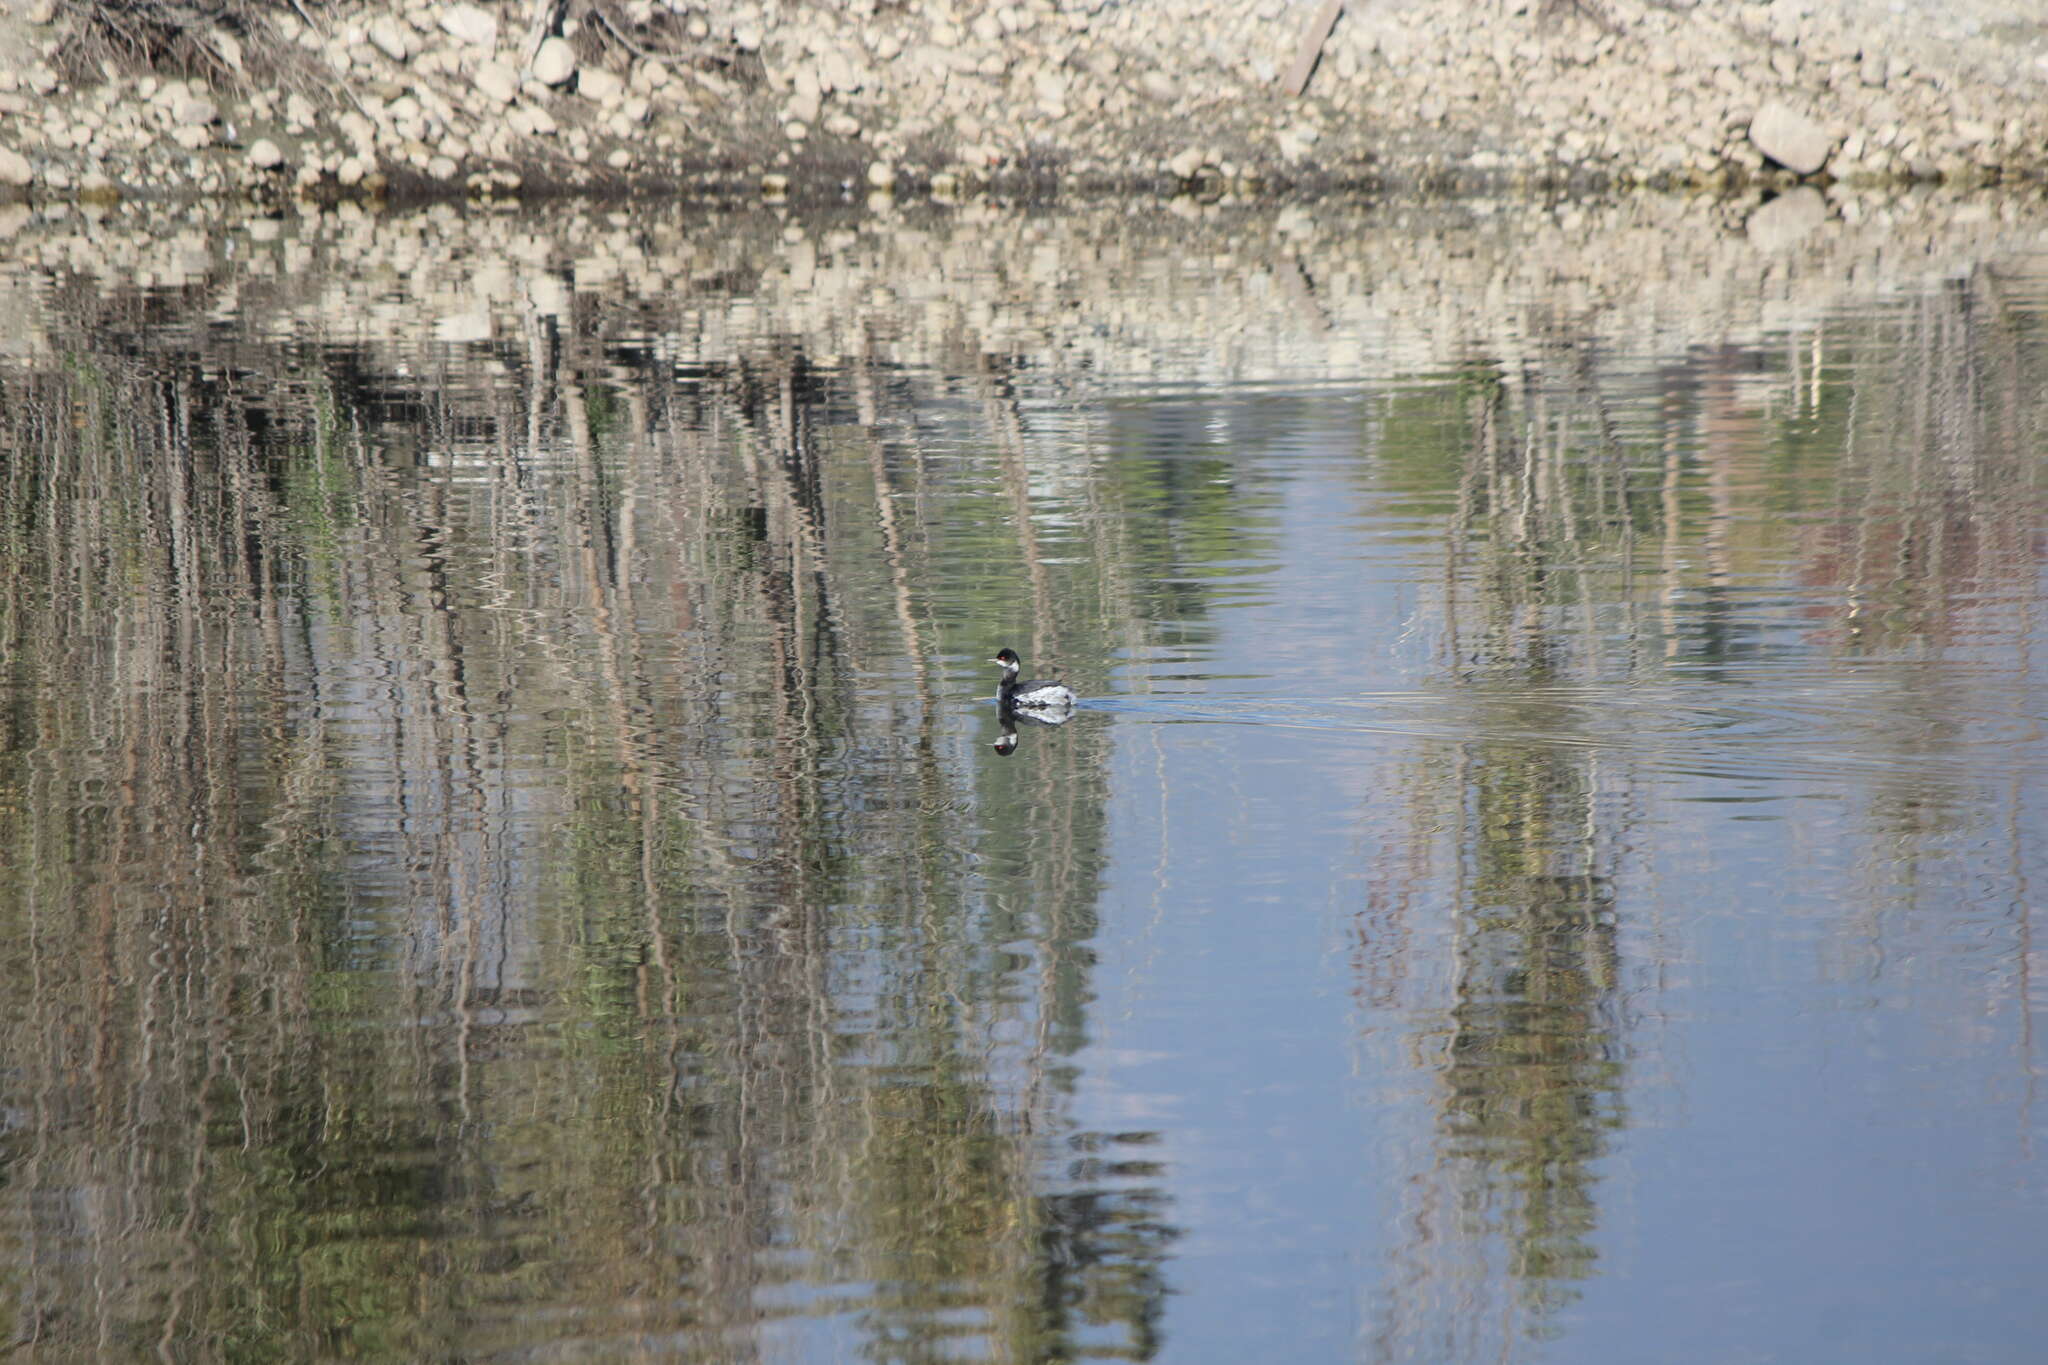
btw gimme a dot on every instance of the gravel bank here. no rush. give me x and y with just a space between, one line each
831 97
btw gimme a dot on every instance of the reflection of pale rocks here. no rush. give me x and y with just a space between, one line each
1788 219
14 168
548 295
1313 295
460 327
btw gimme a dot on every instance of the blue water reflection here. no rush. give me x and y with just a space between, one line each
1640 966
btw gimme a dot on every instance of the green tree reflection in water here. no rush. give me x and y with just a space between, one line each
461 889
1587 550
1528 1050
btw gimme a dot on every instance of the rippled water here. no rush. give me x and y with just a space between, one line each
509 852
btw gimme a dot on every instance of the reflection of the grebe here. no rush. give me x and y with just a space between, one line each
1011 716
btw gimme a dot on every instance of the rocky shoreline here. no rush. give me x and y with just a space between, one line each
948 97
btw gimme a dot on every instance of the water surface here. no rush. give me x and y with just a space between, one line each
507 855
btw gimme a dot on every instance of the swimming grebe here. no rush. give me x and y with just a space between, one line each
1038 693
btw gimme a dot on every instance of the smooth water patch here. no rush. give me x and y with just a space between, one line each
1786 733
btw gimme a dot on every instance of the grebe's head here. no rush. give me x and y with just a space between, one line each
1008 659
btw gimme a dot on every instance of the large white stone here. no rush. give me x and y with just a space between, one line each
1790 138
555 62
498 81
14 168
266 155
837 72
599 86
470 24
391 38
